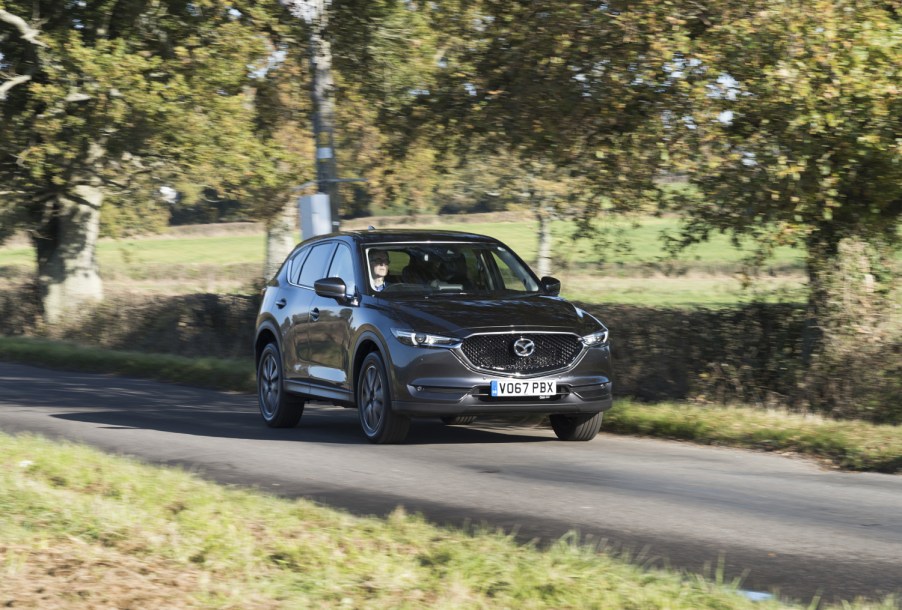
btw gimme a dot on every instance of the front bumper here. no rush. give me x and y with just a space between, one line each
435 382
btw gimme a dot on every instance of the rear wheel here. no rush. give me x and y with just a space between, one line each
380 424
581 427
458 420
278 408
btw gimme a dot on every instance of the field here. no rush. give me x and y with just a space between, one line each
628 265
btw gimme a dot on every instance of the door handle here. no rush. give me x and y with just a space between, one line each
281 303
314 314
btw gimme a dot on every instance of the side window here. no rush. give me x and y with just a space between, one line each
294 267
343 267
315 265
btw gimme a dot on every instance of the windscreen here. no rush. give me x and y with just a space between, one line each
447 268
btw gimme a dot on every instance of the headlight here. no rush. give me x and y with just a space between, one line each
409 337
596 338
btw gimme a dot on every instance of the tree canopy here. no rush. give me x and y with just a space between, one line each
793 124
785 116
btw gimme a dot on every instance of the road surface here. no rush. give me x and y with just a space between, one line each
786 524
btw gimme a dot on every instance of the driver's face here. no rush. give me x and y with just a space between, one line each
379 264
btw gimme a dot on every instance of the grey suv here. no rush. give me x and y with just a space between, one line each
402 324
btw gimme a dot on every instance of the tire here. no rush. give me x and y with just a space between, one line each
458 420
278 408
380 424
582 427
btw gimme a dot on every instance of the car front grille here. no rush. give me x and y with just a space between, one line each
553 351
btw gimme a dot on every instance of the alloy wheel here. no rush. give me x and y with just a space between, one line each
270 386
373 399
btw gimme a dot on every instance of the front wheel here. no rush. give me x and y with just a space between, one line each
380 424
582 427
278 408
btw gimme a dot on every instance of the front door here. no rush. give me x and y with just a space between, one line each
296 336
330 329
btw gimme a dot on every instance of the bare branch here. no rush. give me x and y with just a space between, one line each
17 80
28 33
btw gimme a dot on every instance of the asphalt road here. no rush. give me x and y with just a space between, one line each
782 523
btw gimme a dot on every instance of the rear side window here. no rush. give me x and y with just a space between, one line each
315 265
294 267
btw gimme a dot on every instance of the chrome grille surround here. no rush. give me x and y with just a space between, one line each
494 353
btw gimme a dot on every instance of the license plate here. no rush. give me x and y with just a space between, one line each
527 387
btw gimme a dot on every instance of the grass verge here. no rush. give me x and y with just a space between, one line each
850 444
85 529
215 373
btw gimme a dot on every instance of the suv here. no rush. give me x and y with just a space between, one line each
402 324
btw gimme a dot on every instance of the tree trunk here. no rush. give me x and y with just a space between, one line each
281 236
543 259
68 275
820 262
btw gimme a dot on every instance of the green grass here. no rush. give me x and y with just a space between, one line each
852 445
643 236
217 373
85 529
703 276
684 292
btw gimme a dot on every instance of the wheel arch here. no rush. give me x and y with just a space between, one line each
266 334
369 342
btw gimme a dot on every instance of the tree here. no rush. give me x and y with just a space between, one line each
580 89
116 91
792 125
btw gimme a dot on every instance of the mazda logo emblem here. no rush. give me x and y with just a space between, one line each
524 347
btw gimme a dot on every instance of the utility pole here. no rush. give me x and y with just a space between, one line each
322 94
323 97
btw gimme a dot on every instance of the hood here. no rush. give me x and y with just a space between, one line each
462 316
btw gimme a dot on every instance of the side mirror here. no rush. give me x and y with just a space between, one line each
551 286
331 287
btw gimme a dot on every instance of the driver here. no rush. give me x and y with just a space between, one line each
378 269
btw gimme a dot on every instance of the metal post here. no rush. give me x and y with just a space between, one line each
323 98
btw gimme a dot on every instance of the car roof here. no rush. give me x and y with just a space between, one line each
375 236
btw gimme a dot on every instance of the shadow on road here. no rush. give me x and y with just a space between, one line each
116 402
319 424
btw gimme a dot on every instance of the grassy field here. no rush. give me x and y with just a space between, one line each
706 275
82 529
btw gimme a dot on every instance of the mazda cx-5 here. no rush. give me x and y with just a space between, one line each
403 324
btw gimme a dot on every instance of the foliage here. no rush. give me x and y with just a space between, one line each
384 58
791 128
145 82
574 86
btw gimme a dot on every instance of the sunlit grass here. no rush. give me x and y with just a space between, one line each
850 444
216 373
706 275
713 291
85 529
